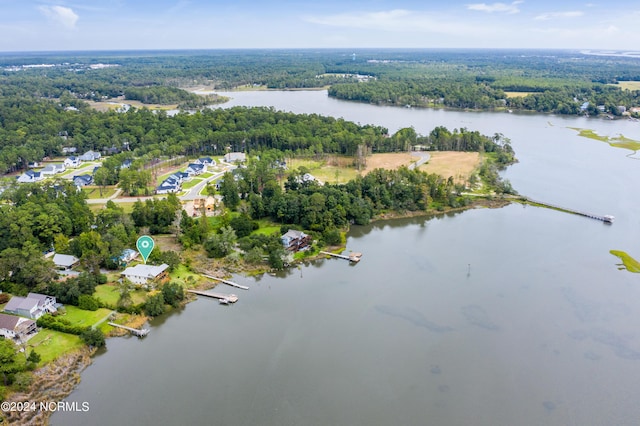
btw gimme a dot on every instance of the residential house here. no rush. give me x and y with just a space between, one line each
72 162
208 204
167 187
142 274
126 164
295 240
235 157
65 262
69 150
113 150
33 306
52 169
207 161
90 156
128 255
33 164
196 169
82 180
16 328
30 176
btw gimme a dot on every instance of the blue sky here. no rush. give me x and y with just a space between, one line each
27 25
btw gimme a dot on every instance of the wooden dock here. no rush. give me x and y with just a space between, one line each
136 332
231 283
222 297
353 257
605 218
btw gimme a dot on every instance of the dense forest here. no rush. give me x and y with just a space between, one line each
549 81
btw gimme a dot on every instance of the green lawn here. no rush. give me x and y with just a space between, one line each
266 228
84 318
191 183
206 175
93 192
50 344
183 276
110 294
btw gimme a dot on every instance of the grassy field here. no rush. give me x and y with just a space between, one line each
266 228
51 344
184 276
628 85
340 169
84 318
630 264
93 192
110 294
460 165
193 182
518 94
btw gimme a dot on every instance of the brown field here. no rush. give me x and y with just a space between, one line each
518 94
628 85
460 165
111 104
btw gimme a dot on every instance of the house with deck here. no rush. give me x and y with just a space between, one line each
142 274
295 240
17 328
33 306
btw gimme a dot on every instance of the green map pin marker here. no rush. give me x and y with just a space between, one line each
145 246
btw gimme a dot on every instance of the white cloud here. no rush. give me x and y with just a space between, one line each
60 15
496 7
398 20
559 15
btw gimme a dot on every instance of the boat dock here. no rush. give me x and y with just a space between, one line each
353 257
224 299
605 218
136 332
231 283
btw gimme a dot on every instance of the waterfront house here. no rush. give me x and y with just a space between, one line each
295 240
142 274
65 262
16 328
33 306
235 157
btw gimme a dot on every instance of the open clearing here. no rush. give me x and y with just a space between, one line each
340 169
518 94
117 103
460 165
628 85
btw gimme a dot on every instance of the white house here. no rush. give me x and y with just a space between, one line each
65 261
30 176
90 156
33 306
13 327
52 169
72 162
207 161
235 157
145 274
196 169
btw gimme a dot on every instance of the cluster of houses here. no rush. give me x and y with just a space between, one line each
18 323
174 182
54 169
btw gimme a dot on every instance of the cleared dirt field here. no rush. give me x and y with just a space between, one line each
628 85
113 104
460 165
518 94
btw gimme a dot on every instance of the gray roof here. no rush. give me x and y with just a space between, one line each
65 260
292 233
21 303
8 322
142 270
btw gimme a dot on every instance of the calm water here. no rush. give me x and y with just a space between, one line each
513 316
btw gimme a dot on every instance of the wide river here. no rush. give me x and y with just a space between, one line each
511 316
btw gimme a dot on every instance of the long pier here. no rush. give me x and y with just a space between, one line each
227 282
353 257
222 297
136 332
605 218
